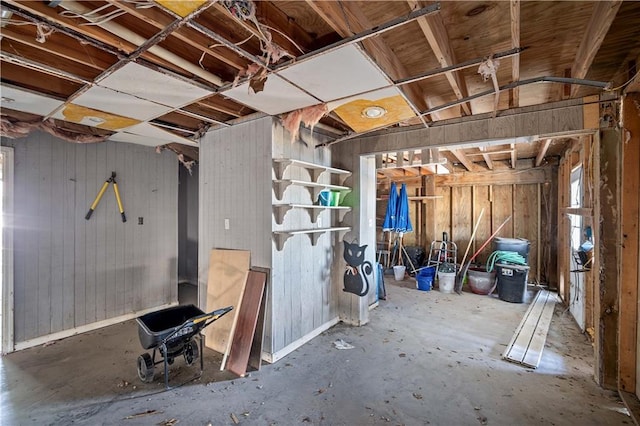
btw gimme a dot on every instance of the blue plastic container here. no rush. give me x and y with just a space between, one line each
424 277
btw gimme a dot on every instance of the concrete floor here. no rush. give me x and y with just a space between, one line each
424 358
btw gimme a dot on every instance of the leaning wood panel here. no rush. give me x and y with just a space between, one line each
630 243
227 276
245 330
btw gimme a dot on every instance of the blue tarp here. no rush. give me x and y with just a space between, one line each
403 223
390 216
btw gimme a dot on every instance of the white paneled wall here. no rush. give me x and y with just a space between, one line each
70 272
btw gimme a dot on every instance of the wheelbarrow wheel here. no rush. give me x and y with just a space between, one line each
191 352
145 368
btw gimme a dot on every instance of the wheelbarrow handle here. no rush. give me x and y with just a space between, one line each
214 315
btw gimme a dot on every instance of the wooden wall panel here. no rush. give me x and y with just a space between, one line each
525 221
482 200
443 212
461 217
501 209
66 267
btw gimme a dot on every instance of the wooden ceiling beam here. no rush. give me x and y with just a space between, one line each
604 12
155 17
433 28
462 158
334 14
514 98
544 146
50 47
487 157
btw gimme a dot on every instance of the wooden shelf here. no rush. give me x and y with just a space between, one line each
280 237
314 188
280 210
280 165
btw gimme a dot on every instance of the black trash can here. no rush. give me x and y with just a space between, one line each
519 245
512 282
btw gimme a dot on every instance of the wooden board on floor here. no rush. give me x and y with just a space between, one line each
255 356
228 271
528 341
247 320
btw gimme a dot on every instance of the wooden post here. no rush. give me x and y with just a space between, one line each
610 248
630 241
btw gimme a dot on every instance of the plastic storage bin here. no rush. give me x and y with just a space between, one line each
424 277
512 282
519 245
481 281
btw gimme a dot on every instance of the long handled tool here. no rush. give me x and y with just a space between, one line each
458 286
473 235
105 185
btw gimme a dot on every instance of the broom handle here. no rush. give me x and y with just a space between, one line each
489 239
473 235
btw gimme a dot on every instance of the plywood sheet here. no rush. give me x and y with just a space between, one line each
242 341
228 270
344 72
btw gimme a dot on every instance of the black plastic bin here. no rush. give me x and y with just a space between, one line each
519 245
512 282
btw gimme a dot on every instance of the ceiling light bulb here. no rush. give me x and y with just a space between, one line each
373 112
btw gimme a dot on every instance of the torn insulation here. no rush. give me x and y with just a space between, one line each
310 116
488 69
19 129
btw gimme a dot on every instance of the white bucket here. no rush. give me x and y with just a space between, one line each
398 272
446 281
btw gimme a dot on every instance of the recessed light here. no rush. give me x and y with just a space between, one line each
96 120
373 112
7 100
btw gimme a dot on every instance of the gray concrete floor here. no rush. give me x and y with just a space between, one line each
424 358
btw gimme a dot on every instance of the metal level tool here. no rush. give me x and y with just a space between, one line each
105 185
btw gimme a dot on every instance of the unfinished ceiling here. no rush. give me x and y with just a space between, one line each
162 72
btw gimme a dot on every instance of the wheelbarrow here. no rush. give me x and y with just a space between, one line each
170 333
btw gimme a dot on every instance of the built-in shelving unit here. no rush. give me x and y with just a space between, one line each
280 166
280 210
280 237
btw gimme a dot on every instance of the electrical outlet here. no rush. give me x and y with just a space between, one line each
226 224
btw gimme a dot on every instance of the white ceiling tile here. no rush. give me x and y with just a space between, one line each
277 97
136 139
152 85
26 101
153 132
108 100
343 72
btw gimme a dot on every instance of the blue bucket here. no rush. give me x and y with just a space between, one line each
424 277
324 198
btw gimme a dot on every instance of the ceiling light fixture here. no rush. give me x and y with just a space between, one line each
373 112
96 120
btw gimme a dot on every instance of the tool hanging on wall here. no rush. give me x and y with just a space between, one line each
106 183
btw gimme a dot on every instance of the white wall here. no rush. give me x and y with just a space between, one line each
70 272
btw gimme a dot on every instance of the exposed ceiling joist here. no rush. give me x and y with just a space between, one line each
462 158
486 157
602 17
514 100
434 30
335 13
544 146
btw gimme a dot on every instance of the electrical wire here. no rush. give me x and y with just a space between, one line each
624 84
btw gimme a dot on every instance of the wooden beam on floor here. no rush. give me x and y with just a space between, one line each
604 12
630 243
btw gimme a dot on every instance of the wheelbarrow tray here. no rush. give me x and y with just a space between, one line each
155 327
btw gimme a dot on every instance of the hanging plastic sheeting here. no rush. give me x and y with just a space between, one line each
403 222
389 223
